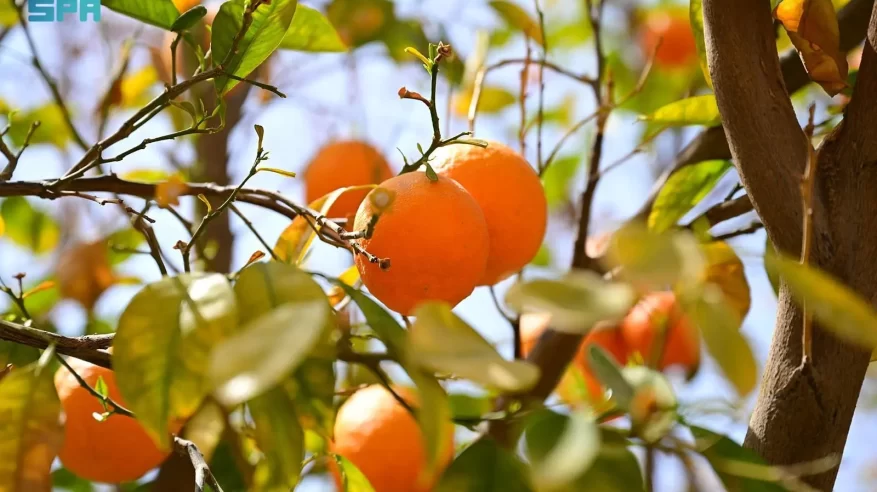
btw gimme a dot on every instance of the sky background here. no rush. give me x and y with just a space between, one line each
339 96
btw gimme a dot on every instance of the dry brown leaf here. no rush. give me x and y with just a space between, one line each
168 193
725 270
84 273
812 27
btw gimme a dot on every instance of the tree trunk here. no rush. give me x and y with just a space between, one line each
804 408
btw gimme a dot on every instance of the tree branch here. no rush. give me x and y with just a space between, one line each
88 348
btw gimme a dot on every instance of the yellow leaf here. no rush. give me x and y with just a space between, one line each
298 235
2 226
725 270
349 277
135 87
168 193
812 27
288 174
45 285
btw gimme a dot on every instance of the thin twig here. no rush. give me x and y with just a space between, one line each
252 228
203 474
807 184
541 111
117 408
50 82
753 227
13 159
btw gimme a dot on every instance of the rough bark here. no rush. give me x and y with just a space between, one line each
803 411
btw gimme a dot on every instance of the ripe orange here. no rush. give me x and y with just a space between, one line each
341 164
673 29
383 440
510 194
434 235
113 451
649 318
568 389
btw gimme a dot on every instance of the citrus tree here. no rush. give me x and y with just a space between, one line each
274 372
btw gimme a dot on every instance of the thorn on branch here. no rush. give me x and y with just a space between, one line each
406 94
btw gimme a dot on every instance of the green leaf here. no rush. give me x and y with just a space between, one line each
695 11
401 34
162 348
362 21
352 479
433 417
654 261
31 433
269 25
285 315
101 387
311 31
159 13
610 374
485 467
834 305
442 342
189 18
517 17
280 438
52 130
683 191
29 227
653 405
615 469
16 354
723 454
266 350
469 407
557 179
64 479
697 110
127 239
543 257
576 301
561 448
379 320
314 381
719 325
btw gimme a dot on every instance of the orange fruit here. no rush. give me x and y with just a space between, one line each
341 164
433 234
184 5
568 389
658 314
510 195
673 29
383 440
115 450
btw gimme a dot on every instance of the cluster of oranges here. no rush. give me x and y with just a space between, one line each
477 222
655 332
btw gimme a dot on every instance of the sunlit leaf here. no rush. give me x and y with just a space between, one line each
696 17
285 315
442 342
723 454
295 240
135 87
159 13
834 305
387 328
725 270
52 130
576 301
697 110
465 406
558 177
433 417
269 25
654 261
652 407
485 467
683 191
8 14
812 26
29 227
311 31
543 257
280 438
147 175
561 448
610 374
30 427
163 344
492 100
352 479
517 17
205 428
122 243
349 277
719 325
